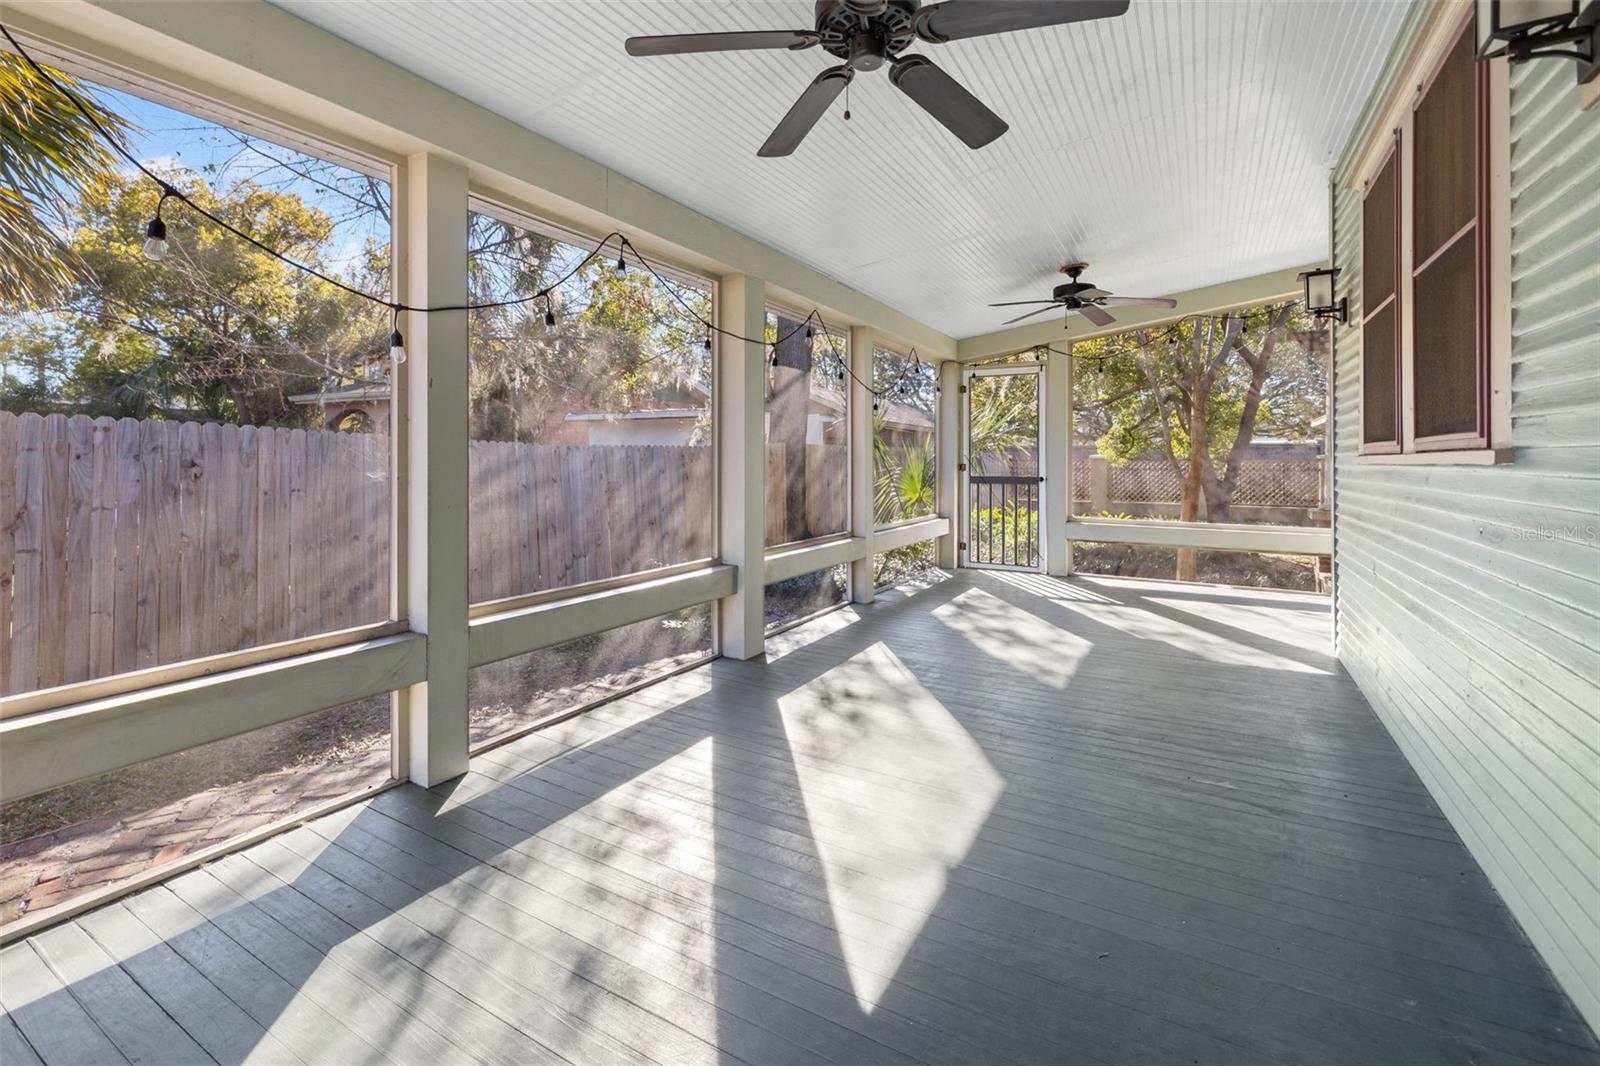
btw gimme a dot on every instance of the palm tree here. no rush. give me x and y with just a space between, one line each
50 155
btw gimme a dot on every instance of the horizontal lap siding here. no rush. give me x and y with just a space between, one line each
1468 602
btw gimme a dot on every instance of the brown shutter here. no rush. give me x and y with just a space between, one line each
1449 371
1380 304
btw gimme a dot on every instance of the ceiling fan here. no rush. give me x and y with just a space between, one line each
866 34
1079 297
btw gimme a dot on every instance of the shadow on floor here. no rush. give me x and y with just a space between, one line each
1001 820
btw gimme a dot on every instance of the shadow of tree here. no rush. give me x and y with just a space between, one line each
1190 858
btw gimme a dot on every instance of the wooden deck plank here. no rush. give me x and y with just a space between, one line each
214 1021
124 1012
1006 819
47 1013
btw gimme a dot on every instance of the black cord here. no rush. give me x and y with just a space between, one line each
396 307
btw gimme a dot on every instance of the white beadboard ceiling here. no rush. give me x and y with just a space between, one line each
1181 145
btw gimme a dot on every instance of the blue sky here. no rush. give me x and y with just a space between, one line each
164 135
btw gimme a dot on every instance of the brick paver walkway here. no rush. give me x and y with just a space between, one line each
53 867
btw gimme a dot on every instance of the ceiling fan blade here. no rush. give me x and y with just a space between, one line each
672 44
1095 315
947 100
813 103
1030 314
1092 294
1023 303
1138 301
955 20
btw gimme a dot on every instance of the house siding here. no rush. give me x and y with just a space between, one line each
1467 599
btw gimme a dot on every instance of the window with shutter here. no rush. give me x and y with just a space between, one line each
1449 376
1435 333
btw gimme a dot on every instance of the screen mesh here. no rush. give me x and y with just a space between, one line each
1378 366
1444 174
1445 358
1379 237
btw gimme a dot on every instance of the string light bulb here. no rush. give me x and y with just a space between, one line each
397 343
708 342
549 317
155 234
622 261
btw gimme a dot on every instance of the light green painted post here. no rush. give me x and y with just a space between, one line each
948 459
741 400
861 467
433 714
1057 462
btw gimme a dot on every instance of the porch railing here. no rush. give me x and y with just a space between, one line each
1004 525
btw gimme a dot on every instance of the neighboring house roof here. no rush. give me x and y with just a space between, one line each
634 416
895 415
347 393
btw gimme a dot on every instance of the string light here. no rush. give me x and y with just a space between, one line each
156 249
155 234
397 343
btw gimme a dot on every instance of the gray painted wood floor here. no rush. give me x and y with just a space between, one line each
1004 819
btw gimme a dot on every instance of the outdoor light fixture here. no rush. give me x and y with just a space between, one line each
1319 296
1522 30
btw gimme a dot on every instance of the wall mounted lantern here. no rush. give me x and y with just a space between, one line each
1319 297
1522 30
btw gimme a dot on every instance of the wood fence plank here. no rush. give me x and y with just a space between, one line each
10 515
190 612
28 531
244 609
103 548
339 496
275 573
224 536
301 552
79 547
129 479
56 485
159 529
527 519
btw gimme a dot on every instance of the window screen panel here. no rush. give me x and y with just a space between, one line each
1445 365
1444 169
1380 348
1379 237
1379 352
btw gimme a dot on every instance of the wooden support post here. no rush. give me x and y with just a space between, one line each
862 472
1057 462
432 716
948 459
741 414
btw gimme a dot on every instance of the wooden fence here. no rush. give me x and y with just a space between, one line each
547 516
126 544
827 499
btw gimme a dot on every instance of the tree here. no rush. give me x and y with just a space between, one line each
218 329
619 339
788 416
50 154
1197 393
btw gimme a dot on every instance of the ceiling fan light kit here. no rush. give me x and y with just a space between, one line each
870 34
